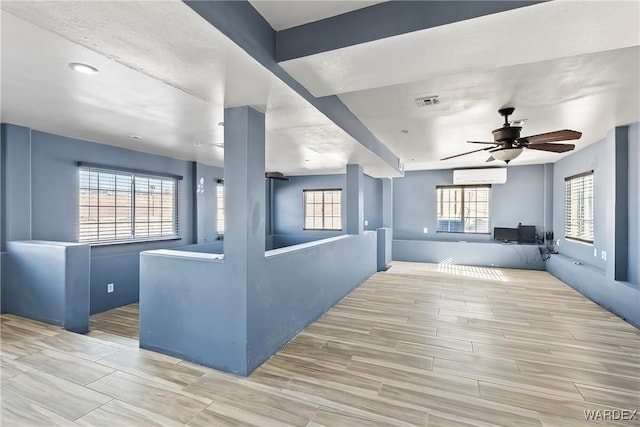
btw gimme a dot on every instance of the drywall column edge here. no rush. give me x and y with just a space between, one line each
621 216
548 197
355 199
245 205
17 181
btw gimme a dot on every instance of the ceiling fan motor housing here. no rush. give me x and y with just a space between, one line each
506 134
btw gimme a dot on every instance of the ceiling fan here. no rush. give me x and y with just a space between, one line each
508 144
278 176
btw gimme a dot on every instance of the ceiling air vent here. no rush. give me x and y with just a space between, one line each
427 100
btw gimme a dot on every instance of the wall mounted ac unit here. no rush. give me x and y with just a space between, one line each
480 176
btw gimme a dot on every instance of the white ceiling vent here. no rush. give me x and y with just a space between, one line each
480 176
427 100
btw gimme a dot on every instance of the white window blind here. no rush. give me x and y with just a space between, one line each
220 207
120 206
578 219
463 208
323 209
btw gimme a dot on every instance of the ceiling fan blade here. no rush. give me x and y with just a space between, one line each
481 142
490 159
559 135
555 148
468 152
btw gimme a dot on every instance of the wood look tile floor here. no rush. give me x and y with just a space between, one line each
420 344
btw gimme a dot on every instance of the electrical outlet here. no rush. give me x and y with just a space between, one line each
366 222
425 230
604 255
110 288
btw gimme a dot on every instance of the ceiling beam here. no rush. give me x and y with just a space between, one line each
241 23
380 21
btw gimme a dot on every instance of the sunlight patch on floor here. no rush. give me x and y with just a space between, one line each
448 267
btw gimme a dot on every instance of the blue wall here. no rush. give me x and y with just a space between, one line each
594 276
372 203
223 320
234 312
485 254
521 199
49 282
634 204
206 214
193 306
288 206
3 262
41 200
299 284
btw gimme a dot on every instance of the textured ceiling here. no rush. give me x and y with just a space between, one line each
562 65
166 75
283 14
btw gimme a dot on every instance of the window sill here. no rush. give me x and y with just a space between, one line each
574 240
463 232
129 242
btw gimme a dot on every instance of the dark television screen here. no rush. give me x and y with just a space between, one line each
526 233
505 234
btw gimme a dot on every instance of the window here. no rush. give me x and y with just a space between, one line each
220 207
323 209
463 208
119 206
578 218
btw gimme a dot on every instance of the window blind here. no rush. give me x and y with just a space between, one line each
578 220
119 206
220 207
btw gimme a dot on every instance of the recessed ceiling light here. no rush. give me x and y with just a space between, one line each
405 131
220 123
83 68
135 137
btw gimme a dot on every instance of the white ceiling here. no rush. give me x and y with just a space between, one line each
167 75
283 14
562 64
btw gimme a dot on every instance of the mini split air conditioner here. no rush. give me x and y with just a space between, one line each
480 176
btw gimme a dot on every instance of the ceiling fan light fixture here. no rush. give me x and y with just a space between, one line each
506 154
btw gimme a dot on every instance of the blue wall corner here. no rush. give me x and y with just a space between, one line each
520 200
49 282
288 213
593 276
354 199
288 204
296 288
193 308
634 204
38 204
